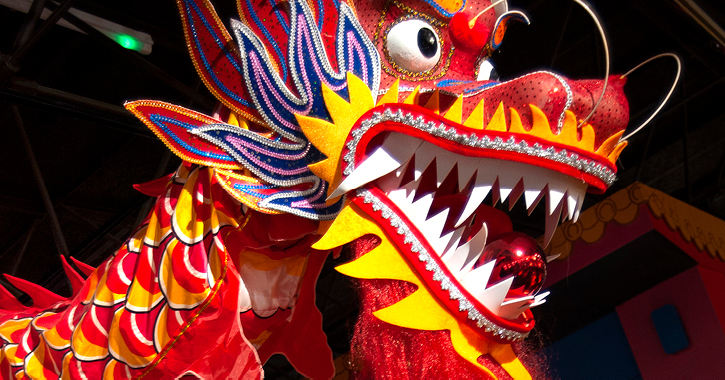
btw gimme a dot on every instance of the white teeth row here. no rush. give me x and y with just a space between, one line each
504 179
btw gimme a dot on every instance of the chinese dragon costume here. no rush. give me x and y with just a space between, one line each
375 124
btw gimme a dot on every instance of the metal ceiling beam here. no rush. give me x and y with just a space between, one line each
20 91
36 10
685 154
40 182
58 281
652 13
703 19
140 62
11 62
24 247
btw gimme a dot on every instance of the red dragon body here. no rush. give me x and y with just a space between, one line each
364 122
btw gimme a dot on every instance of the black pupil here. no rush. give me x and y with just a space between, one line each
427 42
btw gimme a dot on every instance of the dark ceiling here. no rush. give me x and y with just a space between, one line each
70 152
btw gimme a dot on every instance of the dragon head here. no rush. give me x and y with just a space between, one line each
385 118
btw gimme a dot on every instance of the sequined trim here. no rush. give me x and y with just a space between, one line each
511 145
464 305
407 74
569 94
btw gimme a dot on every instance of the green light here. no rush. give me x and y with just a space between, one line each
129 42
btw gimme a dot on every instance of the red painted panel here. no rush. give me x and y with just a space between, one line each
704 357
715 285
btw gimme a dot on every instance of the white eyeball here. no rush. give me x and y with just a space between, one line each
414 45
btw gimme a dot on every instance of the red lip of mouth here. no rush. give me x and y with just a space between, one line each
423 124
423 178
436 274
430 203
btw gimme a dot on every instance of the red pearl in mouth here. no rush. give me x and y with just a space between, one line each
516 254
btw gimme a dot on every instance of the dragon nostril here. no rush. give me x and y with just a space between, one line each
517 255
467 36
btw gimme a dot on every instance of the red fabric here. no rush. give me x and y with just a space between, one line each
381 350
274 235
76 281
523 324
214 345
42 298
154 188
8 303
302 340
83 267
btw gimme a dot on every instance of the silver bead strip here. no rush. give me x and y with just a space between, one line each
511 145
464 305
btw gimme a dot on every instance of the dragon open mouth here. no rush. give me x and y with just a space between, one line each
432 199
424 177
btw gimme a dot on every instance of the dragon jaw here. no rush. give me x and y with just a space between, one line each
417 180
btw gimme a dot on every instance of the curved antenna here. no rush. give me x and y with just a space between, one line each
672 89
494 4
501 8
606 58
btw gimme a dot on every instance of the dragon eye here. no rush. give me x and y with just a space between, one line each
413 45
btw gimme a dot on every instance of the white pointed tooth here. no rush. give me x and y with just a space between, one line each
581 190
444 163
432 229
541 296
493 296
551 258
403 198
571 202
508 177
517 301
392 180
404 195
475 252
540 299
513 308
423 157
534 183
485 178
555 195
564 210
552 220
455 261
564 186
400 197
396 149
495 193
478 278
418 211
454 241
466 167
579 204
537 303
465 256
516 194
